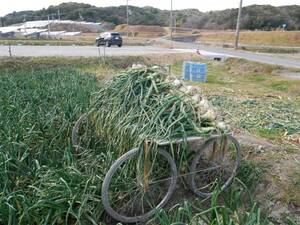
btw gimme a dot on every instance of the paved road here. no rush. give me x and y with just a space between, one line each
28 50
275 60
258 57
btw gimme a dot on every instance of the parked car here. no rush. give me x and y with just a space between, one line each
109 38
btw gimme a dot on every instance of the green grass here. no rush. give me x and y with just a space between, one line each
250 173
85 63
281 85
258 78
55 42
296 180
274 50
271 134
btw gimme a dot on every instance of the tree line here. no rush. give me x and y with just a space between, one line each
261 17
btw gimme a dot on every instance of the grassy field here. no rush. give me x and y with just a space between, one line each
43 182
254 38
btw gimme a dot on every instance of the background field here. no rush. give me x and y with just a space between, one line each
259 38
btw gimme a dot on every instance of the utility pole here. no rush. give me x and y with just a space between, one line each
9 50
58 13
175 22
237 34
171 21
127 15
48 26
24 21
80 17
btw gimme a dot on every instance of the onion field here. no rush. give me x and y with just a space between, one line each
40 180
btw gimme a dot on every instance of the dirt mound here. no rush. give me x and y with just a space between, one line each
71 27
142 31
258 143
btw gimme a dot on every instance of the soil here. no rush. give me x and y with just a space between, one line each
279 193
255 142
142 31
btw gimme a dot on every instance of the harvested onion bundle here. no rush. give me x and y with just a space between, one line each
147 104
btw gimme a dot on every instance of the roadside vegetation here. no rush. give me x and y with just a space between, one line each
43 182
55 42
88 40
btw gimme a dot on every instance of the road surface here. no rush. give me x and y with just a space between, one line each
34 50
257 57
27 50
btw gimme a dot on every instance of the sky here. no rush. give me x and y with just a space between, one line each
8 6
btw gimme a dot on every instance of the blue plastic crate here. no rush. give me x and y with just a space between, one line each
194 71
186 70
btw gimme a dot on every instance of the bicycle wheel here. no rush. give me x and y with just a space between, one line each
127 197
215 165
81 133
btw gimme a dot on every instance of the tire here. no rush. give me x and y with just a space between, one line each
120 46
107 44
200 159
108 180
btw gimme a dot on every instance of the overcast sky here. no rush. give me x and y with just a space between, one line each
8 6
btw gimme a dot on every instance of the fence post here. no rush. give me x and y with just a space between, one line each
9 49
99 51
104 53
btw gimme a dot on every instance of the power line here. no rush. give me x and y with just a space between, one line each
49 26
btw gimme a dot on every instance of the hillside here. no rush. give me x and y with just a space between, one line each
263 17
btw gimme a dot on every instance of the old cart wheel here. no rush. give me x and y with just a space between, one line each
81 133
215 165
127 197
